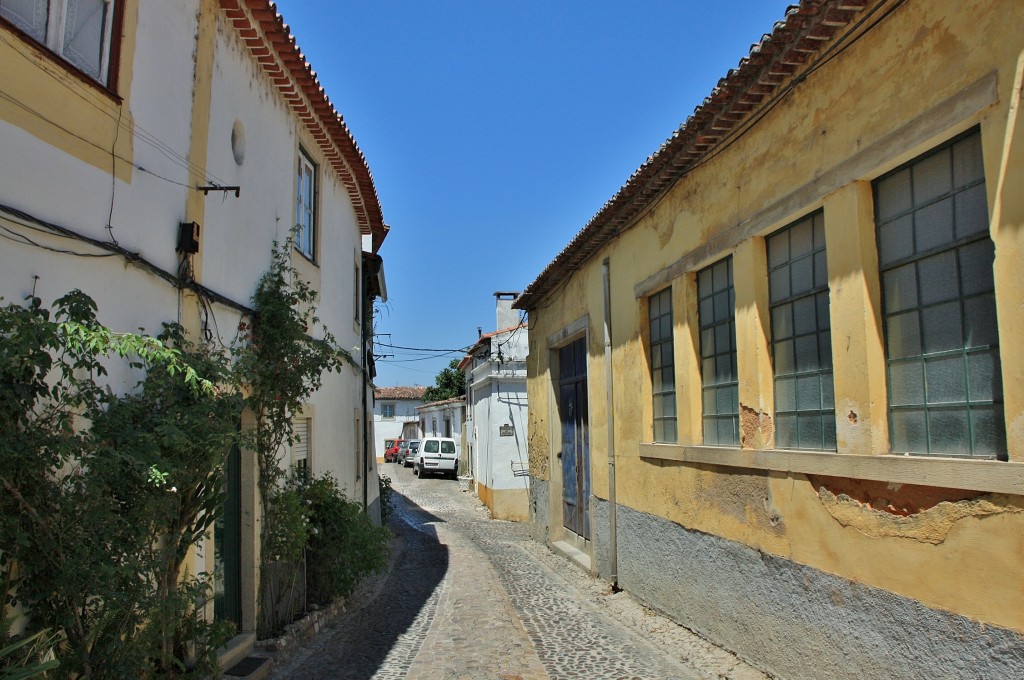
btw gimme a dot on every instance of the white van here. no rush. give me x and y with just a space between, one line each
437 454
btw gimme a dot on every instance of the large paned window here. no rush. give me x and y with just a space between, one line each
942 345
663 373
305 207
801 336
80 31
716 302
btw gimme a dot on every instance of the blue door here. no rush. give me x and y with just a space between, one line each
575 453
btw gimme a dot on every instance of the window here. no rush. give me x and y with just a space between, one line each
801 336
720 388
935 260
300 443
663 372
80 31
357 300
387 411
305 207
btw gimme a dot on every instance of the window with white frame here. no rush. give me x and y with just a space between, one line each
938 295
716 301
805 416
663 370
305 207
387 411
300 443
80 31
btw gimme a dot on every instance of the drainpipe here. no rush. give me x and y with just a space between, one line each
613 543
366 383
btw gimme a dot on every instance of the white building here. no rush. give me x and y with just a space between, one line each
395 415
444 419
194 112
495 371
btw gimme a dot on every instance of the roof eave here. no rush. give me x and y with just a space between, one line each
781 57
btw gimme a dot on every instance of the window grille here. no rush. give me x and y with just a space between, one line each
663 378
801 336
938 294
716 302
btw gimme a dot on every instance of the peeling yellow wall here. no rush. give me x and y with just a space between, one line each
922 71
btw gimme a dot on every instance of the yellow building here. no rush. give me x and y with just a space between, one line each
774 384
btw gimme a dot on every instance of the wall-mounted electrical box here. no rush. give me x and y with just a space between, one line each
188 237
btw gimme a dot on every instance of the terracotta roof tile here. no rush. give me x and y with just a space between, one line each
443 402
272 46
783 56
398 393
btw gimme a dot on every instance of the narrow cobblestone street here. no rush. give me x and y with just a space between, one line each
474 598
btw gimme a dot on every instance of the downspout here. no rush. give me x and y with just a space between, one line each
613 541
369 268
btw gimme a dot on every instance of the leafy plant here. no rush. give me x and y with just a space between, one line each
448 384
387 500
91 537
344 545
280 366
26 656
172 442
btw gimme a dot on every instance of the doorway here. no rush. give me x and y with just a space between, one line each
575 452
227 541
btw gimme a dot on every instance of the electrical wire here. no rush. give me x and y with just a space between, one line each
25 240
423 349
115 155
131 257
103 106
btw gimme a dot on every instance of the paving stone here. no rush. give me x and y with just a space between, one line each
474 598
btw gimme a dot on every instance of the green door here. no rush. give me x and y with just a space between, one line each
227 537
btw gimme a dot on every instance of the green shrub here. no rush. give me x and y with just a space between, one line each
387 499
344 545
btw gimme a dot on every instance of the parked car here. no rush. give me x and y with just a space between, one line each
391 451
410 453
437 455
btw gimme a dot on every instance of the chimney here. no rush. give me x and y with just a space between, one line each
507 317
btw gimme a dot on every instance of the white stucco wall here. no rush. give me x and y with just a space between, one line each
392 428
51 184
498 394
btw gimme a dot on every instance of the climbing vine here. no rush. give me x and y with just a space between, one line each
280 364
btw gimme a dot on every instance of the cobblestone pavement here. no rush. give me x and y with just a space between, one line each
472 598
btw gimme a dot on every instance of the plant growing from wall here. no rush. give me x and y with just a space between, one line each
93 519
280 366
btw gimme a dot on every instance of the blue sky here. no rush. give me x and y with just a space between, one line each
495 129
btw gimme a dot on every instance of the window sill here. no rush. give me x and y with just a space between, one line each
308 258
951 473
